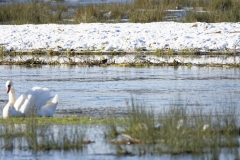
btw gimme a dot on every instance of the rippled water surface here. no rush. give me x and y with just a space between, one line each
106 88
112 87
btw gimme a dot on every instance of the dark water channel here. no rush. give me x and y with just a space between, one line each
96 91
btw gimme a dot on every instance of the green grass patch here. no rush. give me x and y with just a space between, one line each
60 120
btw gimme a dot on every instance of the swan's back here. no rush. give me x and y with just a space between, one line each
33 98
41 96
49 109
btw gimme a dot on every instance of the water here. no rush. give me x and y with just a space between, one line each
100 89
104 89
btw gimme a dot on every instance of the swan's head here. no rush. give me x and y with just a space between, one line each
9 85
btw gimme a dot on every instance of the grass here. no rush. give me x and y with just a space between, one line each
32 12
165 52
140 11
34 136
174 131
38 58
217 11
2 52
60 121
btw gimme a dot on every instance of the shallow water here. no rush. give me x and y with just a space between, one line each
105 89
103 150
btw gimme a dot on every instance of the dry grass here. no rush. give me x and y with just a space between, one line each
140 11
33 12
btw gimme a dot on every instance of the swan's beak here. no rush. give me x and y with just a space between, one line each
8 88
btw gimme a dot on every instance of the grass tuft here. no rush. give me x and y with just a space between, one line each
176 132
36 136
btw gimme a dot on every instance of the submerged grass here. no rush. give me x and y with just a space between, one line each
174 131
30 134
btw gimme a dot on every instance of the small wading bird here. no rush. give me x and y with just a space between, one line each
37 100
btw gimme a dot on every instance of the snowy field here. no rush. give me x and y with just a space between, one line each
127 37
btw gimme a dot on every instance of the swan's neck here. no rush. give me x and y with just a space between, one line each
12 96
9 109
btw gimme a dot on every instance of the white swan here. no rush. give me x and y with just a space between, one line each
37 99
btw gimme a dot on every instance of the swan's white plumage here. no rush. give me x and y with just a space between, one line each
50 107
37 99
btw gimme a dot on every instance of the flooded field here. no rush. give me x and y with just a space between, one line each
107 89
102 91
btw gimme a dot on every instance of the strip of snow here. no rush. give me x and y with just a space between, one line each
128 37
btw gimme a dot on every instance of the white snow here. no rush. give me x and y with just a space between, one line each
128 37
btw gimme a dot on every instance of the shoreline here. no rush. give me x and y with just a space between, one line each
134 59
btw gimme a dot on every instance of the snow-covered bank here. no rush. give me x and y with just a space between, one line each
126 37
130 59
123 38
